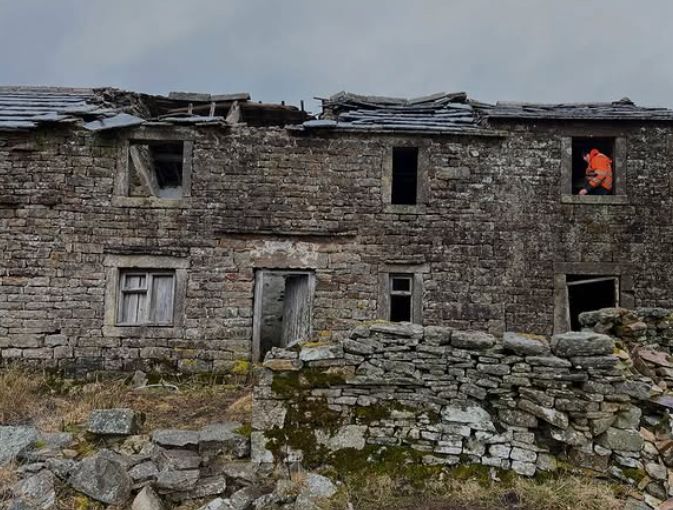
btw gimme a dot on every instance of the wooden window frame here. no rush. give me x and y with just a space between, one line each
121 196
115 265
148 291
415 272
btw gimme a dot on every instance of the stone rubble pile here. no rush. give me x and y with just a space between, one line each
523 402
148 472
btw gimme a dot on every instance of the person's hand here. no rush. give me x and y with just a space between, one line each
583 191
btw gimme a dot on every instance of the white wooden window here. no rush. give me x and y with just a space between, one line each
146 297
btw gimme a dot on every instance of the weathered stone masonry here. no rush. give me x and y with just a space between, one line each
443 397
489 243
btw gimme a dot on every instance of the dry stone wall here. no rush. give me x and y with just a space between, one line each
447 396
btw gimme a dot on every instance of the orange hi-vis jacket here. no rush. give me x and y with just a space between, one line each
599 170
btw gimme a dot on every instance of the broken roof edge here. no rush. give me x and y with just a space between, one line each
318 126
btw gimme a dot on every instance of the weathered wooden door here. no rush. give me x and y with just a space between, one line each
296 309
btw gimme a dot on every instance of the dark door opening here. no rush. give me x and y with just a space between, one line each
586 294
580 145
282 314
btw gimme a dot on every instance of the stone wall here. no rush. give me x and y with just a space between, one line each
487 244
447 396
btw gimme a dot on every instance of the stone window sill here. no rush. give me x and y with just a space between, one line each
143 331
404 209
595 200
149 203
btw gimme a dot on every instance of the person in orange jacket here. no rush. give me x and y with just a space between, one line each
599 173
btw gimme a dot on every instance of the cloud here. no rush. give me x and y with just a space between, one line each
538 50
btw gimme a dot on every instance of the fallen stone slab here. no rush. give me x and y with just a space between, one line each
147 499
144 472
208 486
171 480
37 491
116 422
580 343
219 504
102 479
222 437
48 445
525 345
175 459
243 498
175 438
14 441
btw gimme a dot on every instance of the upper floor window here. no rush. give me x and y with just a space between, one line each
156 169
593 169
593 166
405 176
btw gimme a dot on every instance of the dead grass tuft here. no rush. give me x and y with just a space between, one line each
8 478
53 404
563 493
21 391
241 408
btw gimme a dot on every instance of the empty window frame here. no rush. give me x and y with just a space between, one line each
588 293
283 309
581 145
146 297
157 169
401 297
404 182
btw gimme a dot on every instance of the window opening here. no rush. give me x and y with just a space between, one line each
156 169
405 175
586 294
582 145
401 291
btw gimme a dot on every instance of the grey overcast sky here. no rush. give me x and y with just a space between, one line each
534 50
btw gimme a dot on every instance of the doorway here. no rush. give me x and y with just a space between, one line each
282 309
588 293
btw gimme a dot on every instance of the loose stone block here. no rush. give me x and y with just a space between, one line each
472 340
175 438
525 345
579 343
114 422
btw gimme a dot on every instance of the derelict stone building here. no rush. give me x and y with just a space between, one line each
194 231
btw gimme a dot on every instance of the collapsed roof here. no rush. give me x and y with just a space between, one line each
438 113
623 109
24 108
